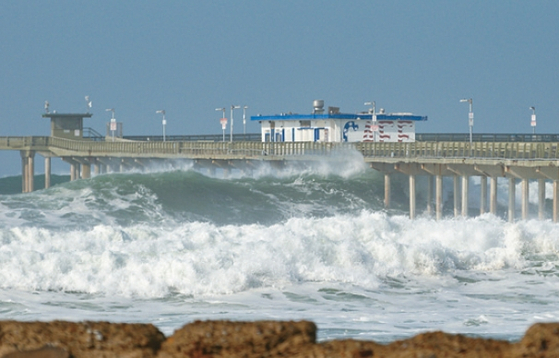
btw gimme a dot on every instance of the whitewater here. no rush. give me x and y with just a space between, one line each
174 244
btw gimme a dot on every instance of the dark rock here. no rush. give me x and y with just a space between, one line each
84 339
45 352
264 339
540 340
239 339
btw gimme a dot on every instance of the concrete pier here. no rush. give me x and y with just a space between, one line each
525 198
493 196
412 196
47 172
27 171
512 199
465 193
541 199
387 191
483 194
525 161
429 208
555 200
456 190
86 171
439 196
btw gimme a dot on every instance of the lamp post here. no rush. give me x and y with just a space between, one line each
113 122
374 118
232 108
223 121
244 121
470 119
88 104
533 119
163 121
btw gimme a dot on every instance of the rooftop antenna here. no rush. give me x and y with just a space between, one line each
88 104
47 106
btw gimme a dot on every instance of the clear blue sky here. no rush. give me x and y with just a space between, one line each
189 57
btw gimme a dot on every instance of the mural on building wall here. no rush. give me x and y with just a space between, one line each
387 131
346 131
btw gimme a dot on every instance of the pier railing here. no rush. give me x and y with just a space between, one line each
234 150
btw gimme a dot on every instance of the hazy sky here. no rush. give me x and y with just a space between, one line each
189 57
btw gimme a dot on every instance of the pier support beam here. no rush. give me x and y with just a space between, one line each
23 172
429 195
27 170
47 172
555 201
74 171
439 196
437 171
525 198
493 196
387 191
541 199
86 171
512 198
74 168
412 196
465 187
410 169
31 172
456 188
483 199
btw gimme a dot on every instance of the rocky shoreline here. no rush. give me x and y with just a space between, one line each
206 339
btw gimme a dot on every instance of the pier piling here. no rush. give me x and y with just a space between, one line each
493 196
512 198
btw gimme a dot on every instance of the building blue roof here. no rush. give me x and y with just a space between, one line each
380 117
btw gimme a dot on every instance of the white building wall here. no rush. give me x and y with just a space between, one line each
338 131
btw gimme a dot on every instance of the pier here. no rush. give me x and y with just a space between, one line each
516 161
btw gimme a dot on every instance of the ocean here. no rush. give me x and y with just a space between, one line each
173 244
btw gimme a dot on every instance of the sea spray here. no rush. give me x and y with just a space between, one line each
176 244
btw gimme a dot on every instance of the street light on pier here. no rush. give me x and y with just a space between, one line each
163 121
244 120
223 121
113 122
533 119
88 104
232 108
374 118
470 119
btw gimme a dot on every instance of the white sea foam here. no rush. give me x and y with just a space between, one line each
113 248
201 258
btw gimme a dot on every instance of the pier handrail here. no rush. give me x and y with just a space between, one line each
186 149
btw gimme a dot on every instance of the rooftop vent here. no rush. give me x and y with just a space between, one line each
333 110
318 106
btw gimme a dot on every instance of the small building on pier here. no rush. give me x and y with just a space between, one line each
334 126
67 125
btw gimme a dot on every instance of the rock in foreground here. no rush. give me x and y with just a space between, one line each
248 339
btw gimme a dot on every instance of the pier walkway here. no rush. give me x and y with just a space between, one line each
524 161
